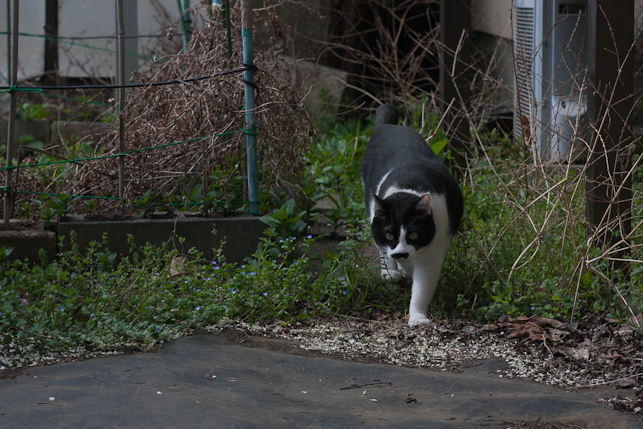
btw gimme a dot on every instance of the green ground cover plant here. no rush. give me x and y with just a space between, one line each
523 250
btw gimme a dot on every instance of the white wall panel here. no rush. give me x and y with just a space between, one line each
31 61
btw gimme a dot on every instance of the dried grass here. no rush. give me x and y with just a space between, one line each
207 115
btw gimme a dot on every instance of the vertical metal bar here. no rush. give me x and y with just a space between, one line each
609 186
11 129
121 97
251 128
9 42
130 28
51 43
186 21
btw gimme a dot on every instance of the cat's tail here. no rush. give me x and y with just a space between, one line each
386 114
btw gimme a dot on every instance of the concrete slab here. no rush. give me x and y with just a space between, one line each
203 381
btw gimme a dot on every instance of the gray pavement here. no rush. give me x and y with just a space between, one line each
204 382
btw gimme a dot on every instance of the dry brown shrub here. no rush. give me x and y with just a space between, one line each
207 116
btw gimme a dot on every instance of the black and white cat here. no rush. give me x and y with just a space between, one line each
414 205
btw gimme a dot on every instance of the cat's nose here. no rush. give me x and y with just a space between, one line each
400 255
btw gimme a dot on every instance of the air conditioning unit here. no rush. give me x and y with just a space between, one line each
551 87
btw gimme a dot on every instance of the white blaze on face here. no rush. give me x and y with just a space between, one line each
402 247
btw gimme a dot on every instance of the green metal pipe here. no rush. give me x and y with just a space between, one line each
251 124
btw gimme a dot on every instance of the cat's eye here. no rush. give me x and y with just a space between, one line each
413 236
389 236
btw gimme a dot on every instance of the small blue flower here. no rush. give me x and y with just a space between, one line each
158 330
309 236
265 293
234 291
197 308
345 292
92 315
252 273
62 308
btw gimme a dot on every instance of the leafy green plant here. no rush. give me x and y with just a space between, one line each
91 297
149 202
27 144
5 252
61 205
30 112
286 221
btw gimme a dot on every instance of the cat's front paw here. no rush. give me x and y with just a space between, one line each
393 276
419 319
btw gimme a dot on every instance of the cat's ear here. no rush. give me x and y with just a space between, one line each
379 205
424 204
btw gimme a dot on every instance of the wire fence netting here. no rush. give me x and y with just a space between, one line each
185 127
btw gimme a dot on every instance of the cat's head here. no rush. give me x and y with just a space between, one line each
402 224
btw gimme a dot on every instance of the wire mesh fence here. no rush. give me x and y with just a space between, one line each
184 134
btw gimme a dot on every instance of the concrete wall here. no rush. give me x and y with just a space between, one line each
492 17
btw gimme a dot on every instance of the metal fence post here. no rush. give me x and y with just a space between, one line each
186 22
11 129
251 127
121 97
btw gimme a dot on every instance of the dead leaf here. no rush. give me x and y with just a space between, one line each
556 334
580 354
177 266
531 330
